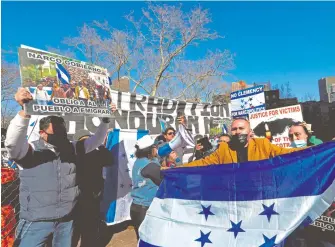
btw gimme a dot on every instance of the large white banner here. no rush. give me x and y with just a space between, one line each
276 122
135 111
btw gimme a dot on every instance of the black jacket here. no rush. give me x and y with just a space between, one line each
89 172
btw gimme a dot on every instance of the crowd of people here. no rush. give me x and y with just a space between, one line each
86 89
61 180
82 90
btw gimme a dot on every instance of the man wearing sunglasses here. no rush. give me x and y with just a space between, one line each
48 186
242 147
169 134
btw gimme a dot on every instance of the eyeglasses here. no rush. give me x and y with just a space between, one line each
171 133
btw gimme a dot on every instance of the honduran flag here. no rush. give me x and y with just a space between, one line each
116 202
62 74
252 204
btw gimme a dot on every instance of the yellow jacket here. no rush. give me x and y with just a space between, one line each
258 149
85 90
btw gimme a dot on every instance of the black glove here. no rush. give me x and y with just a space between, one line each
106 120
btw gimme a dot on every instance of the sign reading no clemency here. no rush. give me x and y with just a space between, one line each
247 101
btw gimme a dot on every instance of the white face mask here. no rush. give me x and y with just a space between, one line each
299 143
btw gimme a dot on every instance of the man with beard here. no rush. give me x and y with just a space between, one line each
48 186
242 147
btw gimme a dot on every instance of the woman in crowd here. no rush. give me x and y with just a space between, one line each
300 136
169 134
57 91
309 236
146 178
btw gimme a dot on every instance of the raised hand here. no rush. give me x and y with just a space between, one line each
23 96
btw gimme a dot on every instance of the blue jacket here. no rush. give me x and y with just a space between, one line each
144 190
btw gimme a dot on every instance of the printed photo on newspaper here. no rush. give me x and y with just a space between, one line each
63 86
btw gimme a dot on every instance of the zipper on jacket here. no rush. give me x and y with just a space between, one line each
60 184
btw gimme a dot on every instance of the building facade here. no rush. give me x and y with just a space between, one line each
273 100
123 84
322 117
327 89
240 85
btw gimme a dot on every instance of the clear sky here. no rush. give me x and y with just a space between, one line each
273 41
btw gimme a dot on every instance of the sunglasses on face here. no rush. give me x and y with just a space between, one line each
171 133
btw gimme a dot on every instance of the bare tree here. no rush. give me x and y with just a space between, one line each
63 52
117 48
9 83
286 90
169 31
151 54
307 97
87 43
223 96
200 79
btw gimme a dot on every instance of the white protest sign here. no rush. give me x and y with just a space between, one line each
277 122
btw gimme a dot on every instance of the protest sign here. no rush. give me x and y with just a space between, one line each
145 113
274 124
247 101
63 86
135 111
138 114
324 227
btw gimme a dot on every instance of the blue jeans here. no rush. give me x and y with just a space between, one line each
36 234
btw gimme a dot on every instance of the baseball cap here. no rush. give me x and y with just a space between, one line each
80 134
145 141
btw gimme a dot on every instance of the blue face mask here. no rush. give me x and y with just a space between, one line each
178 160
299 144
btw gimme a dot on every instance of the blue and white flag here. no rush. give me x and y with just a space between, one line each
252 204
116 202
62 74
224 129
164 125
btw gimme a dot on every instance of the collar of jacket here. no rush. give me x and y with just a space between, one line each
40 144
251 151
